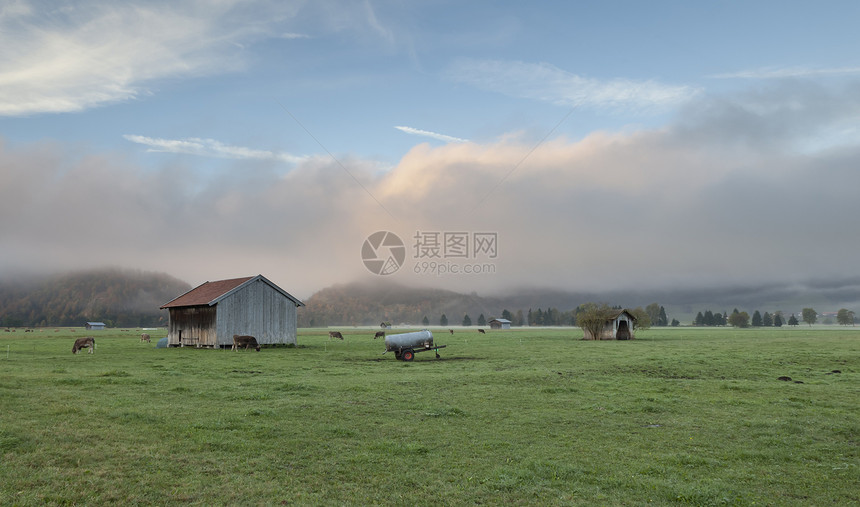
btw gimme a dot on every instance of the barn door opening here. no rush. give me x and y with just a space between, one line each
623 332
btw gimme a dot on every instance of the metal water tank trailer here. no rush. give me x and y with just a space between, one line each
405 345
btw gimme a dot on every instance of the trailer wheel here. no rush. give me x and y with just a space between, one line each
407 355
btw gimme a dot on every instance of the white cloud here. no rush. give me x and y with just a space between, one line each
433 135
93 53
291 35
210 148
788 72
546 82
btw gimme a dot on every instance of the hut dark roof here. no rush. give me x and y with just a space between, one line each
209 293
618 313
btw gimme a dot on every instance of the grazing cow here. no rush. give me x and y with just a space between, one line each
335 334
83 343
378 334
482 331
145 338
245 342
451 331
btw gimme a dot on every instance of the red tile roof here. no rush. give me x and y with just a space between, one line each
206 293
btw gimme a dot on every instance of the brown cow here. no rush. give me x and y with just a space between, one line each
145 338
335 334
245 341
83 343
378 334
482 331
451 330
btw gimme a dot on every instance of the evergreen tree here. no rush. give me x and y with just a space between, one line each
507 315
467 321
425 321
538 317
708 318
530 320
767 320
443 321
756 319
777 320
700 320
792 321
675 323
663 319
481 320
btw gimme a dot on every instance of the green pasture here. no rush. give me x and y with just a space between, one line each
524 417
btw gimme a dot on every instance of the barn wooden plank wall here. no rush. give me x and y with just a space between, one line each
192 326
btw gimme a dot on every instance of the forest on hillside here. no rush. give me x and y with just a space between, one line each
119 298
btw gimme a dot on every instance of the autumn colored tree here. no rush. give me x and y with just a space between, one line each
592 318
739 319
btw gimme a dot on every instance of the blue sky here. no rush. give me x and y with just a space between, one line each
302 127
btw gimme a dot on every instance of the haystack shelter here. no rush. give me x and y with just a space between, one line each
500 324
95 326
210 314
618 326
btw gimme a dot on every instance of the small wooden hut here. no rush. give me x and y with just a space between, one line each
500 324
210 314
619 326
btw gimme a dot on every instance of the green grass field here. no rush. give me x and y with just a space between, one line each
535 416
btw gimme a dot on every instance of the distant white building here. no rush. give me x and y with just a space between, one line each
500 324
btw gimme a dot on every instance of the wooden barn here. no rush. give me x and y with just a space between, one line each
618 326
210 314
95 326
500 324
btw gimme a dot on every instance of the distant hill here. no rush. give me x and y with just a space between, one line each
119 298
362 304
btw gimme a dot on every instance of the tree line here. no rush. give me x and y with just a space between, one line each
652 315
737 318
